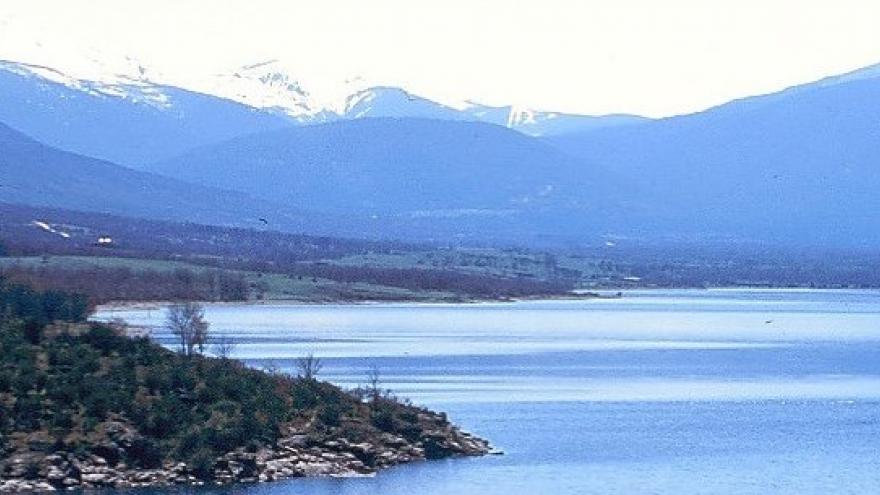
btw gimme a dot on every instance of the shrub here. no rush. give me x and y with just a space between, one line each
144 453
201 464
383 418
103 338
330 414
6 379
33 331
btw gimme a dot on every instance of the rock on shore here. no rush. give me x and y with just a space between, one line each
297 454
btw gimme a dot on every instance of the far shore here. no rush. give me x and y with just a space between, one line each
156 305
587 294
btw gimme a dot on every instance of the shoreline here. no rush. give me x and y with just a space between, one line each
588 295
156 305
296 455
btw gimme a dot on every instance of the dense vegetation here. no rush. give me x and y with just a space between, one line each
67 385
466 284
747 265
106 284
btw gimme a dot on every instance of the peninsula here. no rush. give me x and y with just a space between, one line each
84 406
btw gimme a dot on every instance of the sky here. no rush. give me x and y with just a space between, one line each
649 57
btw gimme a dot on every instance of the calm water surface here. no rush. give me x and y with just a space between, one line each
660 392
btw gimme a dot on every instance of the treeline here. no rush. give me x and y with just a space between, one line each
35 308
436 280
744 266
809 275
106 284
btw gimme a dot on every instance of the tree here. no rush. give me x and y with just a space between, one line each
187 322
374 388
309 367
224 346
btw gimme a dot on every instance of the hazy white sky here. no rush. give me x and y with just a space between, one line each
653 57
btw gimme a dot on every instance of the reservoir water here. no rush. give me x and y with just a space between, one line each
659 392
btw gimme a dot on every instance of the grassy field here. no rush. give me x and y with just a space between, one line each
265 286
494 262
587 271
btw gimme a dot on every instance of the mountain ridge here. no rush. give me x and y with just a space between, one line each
798 164
268 90
422 177
122 123
32 173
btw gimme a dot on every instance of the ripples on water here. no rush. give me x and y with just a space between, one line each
728 391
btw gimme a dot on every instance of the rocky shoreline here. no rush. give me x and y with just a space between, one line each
295 455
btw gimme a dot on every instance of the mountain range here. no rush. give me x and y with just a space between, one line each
794 167
134 118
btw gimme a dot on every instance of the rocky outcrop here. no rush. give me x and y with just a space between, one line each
297 454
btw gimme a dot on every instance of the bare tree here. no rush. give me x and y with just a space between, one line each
187 322
309 366
224 346
374 388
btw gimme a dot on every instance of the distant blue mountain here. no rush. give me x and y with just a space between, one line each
135 121
802 164
397 103
396 166
799 166
794 167
129 124
420 177
32 173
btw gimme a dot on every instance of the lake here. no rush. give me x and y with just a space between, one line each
661 392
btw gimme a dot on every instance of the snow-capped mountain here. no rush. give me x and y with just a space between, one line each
262 86
272 86
124 117
133 85
275 86
97 104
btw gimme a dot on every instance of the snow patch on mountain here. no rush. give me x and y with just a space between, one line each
275 86
265 85
384 101
539 123
134 87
